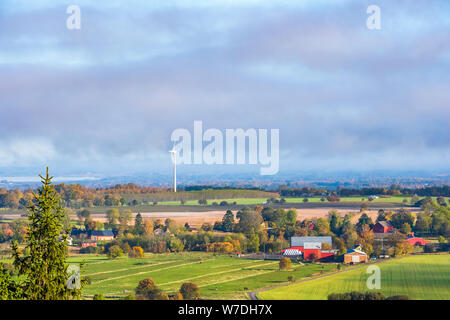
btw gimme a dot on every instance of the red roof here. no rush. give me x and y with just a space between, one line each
416 241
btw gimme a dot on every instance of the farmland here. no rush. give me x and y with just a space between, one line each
218 276
239 202
419 277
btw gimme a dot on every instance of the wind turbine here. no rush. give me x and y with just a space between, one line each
173 153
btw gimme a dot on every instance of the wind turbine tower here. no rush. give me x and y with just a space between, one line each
173 153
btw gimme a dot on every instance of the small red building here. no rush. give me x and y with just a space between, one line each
383 227
415 241
88 244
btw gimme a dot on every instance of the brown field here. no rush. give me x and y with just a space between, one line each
197 218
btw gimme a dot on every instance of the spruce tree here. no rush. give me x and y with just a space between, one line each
44 269
138 225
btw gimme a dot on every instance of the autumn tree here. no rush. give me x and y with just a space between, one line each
249 221
125 217
176 245
147 227
322 226
113 216
406 228
253 243
83 215
136 252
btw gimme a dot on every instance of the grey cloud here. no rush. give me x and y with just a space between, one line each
356 96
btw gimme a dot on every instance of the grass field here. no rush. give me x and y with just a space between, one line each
218 277
419 277
254 201
193 205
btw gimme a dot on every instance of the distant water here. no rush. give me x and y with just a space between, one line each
38 179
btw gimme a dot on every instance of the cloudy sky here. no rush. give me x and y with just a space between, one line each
106 98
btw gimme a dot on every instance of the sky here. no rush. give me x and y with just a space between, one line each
105 99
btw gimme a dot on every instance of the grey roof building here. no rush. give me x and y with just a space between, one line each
300 241
104 233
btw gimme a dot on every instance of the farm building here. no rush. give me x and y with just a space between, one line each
415 241
292 252
300 241
79 233
88 244
383 227
310 248
102 235
355 256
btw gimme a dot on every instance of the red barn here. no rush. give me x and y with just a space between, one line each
310 248
383 227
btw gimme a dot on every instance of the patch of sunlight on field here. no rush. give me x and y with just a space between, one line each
218 276
419 277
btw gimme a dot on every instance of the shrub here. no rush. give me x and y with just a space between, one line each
291 278
354 295
189 291
285 263
147 290
98 296
136 252
399 297
429 248
90 250
115 252
207 226
177 296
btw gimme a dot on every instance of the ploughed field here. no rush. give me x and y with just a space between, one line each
419 277
217 276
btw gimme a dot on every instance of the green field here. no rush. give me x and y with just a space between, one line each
255 201
193 205
419 277
218 277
